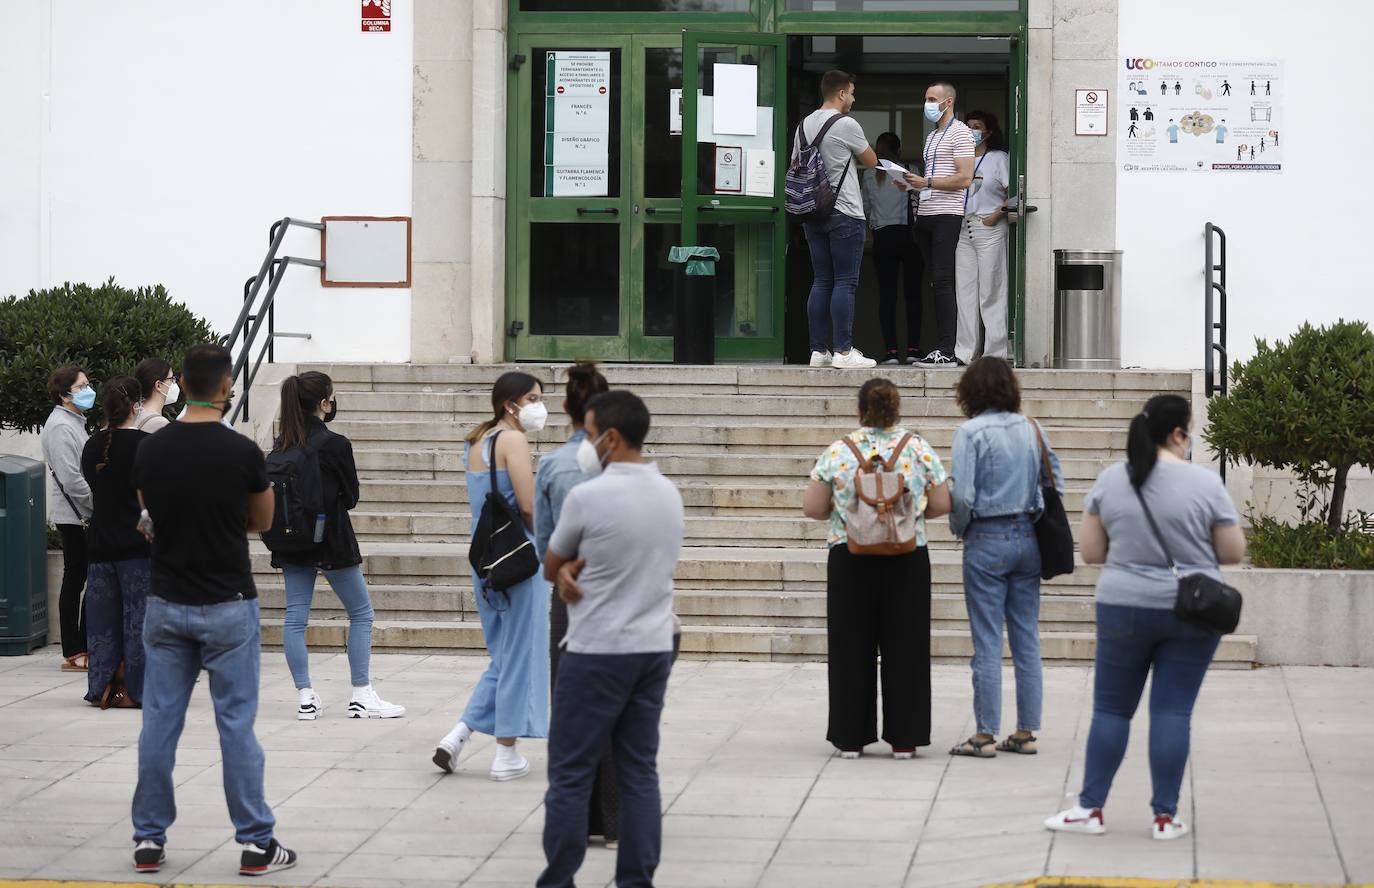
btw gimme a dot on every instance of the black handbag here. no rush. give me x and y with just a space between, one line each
501 553
1052 531
1202 600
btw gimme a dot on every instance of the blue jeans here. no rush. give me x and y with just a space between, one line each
837 248
599 697
1002 582
1130 642
226 640
349 585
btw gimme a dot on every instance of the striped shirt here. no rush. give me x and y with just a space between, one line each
943 145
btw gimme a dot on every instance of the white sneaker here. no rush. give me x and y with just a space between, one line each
366 704
509 764
851 360
1166 827
1078 819
821 359
310 705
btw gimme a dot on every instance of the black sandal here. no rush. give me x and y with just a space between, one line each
975 748
1018 745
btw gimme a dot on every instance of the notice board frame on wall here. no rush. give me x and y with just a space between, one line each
369 251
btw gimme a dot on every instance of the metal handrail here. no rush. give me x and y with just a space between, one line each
1215 377
254 313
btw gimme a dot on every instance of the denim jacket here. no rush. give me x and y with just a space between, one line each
558 473
997 469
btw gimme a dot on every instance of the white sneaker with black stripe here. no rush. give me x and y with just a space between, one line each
366 704
259 861
310 706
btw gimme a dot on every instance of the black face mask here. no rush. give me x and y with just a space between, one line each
333 411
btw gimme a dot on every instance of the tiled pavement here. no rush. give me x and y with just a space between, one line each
1279 788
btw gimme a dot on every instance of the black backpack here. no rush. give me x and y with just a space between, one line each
298 492
500 553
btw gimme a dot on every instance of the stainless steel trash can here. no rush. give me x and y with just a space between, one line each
1087 309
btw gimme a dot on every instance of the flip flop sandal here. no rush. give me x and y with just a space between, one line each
975 748
1017 745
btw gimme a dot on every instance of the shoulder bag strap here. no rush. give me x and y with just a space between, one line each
1154 528
66 496
864 463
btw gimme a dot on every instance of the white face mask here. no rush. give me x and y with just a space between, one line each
587 458
533 416
173 392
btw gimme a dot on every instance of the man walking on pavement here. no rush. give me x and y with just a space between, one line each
612 559
203 488
942 200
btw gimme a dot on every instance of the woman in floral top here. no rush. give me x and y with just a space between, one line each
878 605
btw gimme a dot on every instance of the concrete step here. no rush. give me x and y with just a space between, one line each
713 568
715 642
741 379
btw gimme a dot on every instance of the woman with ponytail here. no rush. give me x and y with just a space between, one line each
1138 636
120 567
511 699
878 606
307 405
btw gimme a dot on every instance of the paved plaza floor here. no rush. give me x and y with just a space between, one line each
1281 786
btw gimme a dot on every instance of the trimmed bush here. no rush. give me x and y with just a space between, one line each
105 329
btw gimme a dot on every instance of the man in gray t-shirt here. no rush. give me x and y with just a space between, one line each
837 244
612 558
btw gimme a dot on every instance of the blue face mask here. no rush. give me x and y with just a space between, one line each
84 399
933 112
977 136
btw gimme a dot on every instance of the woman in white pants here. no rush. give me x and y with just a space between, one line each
980 262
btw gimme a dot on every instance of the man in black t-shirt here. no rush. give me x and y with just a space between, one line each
204 488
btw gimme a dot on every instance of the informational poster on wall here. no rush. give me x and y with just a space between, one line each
577 123
1200 115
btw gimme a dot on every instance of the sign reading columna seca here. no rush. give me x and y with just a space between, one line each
376 16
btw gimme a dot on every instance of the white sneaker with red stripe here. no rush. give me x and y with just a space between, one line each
1078 819
1166 828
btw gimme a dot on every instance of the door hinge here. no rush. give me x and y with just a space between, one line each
516 61
515 328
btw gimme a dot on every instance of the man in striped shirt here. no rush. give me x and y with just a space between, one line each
941 195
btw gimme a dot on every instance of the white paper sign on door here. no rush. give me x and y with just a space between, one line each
758 172
736 98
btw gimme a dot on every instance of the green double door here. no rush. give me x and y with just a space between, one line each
617 160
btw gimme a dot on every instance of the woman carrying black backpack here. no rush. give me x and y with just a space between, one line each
307 404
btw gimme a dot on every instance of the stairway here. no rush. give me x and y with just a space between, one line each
739 442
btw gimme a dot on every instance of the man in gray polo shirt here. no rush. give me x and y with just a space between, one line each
612 557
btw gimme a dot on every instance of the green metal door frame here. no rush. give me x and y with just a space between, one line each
767 23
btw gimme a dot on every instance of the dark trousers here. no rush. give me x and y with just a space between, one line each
899 264
938 237
71 609
597 696
1132 642
878 606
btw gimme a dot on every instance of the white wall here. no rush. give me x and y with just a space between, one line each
157 141
1297 242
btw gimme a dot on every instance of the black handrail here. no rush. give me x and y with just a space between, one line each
1215 376
254 313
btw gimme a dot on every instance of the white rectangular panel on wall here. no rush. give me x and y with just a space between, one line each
365 251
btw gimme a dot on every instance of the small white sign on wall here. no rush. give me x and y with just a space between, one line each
1090 112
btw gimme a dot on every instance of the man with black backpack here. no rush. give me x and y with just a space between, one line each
834 232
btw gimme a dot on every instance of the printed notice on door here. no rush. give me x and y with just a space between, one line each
577 123
1200 115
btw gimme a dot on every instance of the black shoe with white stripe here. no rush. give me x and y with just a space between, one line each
148 856
258 861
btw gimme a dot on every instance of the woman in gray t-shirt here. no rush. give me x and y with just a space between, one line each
1137 632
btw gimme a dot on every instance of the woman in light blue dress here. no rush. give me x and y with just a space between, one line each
511 699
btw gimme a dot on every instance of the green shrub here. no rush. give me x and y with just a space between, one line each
1305 406
1311 545
106 330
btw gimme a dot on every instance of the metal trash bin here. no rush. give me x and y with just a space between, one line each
694 305
23 555
1087 309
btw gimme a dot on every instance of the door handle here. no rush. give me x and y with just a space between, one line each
609 211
